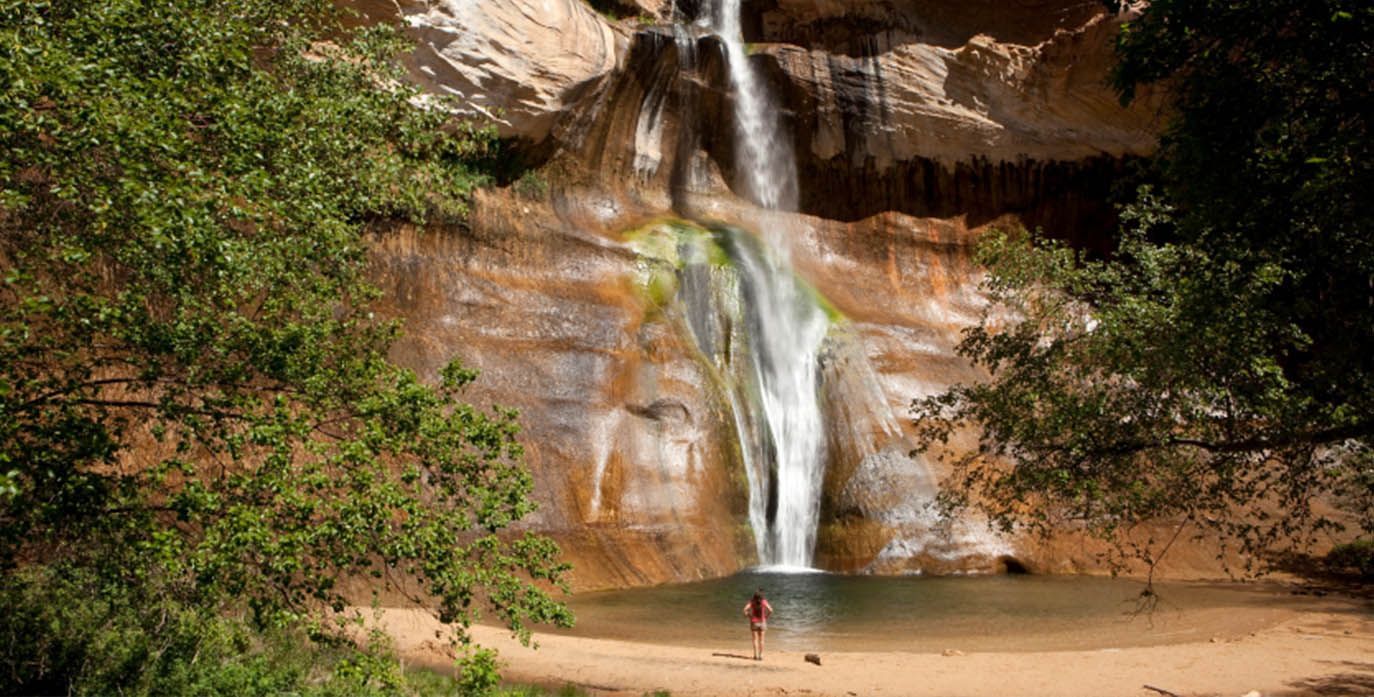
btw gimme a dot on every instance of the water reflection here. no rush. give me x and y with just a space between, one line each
818 611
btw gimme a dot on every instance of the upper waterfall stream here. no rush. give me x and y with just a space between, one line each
764 161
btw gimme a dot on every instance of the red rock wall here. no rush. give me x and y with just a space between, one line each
633 456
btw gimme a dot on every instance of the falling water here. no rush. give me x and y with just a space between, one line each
766 166
763 329
786 326
785 332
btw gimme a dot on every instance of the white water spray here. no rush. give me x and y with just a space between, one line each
786 325
765 164
785 332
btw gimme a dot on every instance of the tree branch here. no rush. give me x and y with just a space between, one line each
1244 445
72 388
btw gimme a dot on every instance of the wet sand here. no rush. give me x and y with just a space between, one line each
1324 648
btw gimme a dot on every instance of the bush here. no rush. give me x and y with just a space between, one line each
531 185
68 631
1355 558
200 431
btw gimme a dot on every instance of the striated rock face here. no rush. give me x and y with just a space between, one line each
891 100
980 128
935 109
636 467
910 111
520 62
915 125
588 329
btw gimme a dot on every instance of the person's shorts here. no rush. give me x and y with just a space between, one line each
758 625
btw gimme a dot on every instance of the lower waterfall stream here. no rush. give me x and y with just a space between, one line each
784 449
802 396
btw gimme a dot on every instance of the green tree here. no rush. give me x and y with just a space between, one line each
1217 371
197 417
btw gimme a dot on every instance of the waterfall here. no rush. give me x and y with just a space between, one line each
785 331
763 329
765 164
786 326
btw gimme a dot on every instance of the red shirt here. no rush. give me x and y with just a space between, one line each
760 612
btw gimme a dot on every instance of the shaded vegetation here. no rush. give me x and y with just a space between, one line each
614 10
1352 559
1216 373
201 438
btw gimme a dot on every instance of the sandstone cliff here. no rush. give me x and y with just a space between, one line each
915 125
918 111
518 62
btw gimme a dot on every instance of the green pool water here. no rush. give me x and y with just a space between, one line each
828 612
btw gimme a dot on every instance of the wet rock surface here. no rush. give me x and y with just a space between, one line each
629 428
633 456
916 127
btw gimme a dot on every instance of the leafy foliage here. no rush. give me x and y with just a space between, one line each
1218 370
1356 558
196 410
69 632
614 10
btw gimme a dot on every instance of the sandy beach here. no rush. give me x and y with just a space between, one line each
1328 651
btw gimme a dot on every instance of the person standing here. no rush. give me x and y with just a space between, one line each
758 610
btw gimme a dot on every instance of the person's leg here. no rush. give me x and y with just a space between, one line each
760 635
758 644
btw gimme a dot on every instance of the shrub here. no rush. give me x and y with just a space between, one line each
1355 558
200 432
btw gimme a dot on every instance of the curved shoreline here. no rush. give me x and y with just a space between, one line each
1327 651
986 614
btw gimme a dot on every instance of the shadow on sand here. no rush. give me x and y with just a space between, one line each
1355 679
741 657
